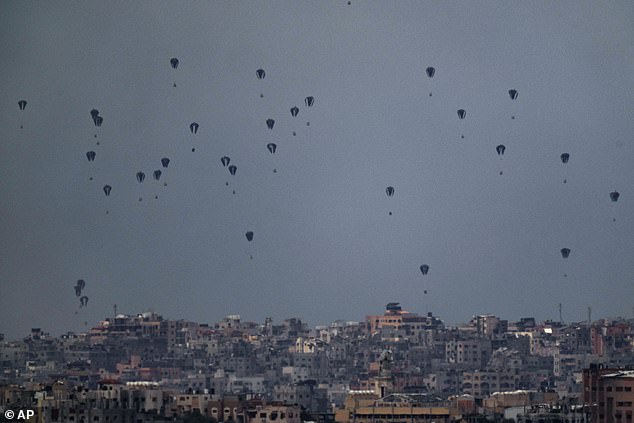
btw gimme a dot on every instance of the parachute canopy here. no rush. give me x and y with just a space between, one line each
294 111
91 156
140 176
225 161
500 149
564 157
271 147
22 104
424 268
430 72
98 121
309 101
614 196
165 161
193 127
107 189
174 62
565 252
232 169
461 114
157 174
389 191
249 236
260 73
513 94
270 123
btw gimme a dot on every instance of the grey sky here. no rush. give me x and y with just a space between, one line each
324 246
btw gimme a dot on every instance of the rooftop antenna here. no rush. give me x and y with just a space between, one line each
560 319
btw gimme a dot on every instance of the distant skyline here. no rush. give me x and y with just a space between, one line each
324 246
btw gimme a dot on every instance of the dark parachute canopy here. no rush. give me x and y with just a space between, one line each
271 147
424 268
565 252
165 161
260 73
94 113
83 301
309 101
22 104
294 111
193 127
225 160
107 189
157 174
614 196
91 156
140 176
513 94
81 283
461 114
500 149
564 157
98 121
270 123
430 72
249 236
77 291
389 191
174 62
232 169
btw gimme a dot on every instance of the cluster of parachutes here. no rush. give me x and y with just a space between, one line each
79 287
272 148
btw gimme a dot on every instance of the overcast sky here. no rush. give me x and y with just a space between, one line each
325 246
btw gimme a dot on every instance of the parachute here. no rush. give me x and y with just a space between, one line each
98 121
294 111
513 94
94 113
565 252
77 291
424 268
81 283
564 157
165 161
500 149
157 175
83 301
614 196
389 191
270 123
174 62
225 161
91 156
22 104
461 113
271 147
249 236
107 189
232 169
430 72
140 176
193 127
309 101
260 73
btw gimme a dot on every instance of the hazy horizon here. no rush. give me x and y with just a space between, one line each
325 245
